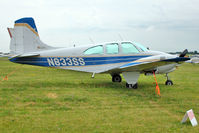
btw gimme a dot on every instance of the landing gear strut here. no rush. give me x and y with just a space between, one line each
134 86
168 82
116 78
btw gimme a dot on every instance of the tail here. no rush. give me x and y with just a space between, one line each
25 38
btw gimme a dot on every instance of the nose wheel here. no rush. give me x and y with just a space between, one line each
168 82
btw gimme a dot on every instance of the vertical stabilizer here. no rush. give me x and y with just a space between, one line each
25 38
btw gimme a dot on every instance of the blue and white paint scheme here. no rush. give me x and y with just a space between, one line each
115 58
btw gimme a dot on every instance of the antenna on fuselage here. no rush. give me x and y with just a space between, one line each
120 37
91 40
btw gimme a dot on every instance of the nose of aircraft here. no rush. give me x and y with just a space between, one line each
175 58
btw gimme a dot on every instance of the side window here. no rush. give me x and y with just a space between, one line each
129 48
94 50
112 48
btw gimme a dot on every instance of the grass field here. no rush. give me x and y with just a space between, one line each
37 99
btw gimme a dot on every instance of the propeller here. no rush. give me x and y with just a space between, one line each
183 53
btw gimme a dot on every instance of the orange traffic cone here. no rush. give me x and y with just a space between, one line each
6 78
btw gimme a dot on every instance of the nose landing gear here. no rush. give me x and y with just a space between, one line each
168 82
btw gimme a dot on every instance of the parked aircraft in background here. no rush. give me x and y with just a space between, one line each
127 58
193 59
4 54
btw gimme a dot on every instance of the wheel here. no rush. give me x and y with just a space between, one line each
116 78
127 85
135 86
169 82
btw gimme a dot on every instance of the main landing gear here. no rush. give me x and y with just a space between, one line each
134 86
168 82
132 77
116 78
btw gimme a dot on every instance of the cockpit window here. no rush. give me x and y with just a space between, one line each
112 48
140 46
94 50
129 48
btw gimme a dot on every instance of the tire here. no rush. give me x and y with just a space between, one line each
116 78
169 82
135 86
127 85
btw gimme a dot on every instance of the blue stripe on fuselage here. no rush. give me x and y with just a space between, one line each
75 61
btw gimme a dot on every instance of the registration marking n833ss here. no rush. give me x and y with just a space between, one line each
65 61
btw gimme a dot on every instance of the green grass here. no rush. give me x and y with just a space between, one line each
37 99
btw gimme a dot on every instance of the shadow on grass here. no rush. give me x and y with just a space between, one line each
78 84
145 89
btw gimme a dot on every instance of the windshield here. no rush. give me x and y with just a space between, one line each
129 48
140 46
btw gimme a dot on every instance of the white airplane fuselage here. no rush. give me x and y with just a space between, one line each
74 59
127 58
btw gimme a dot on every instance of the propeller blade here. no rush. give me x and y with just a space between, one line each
183 53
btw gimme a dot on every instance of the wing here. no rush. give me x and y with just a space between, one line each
141 66
25 55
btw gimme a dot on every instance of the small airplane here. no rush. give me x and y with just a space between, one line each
194 59
115 58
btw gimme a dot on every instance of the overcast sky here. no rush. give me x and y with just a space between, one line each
165 25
